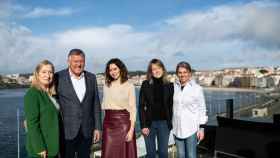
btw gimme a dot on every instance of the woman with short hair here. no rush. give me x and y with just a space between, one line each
189 112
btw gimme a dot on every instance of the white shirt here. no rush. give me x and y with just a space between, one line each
79 85
189 109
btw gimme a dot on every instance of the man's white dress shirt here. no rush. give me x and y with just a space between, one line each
79 85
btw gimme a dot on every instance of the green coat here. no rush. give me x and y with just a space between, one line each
42 123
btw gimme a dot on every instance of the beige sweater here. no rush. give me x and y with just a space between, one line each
120 96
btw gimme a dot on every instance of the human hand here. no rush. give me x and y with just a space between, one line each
129 135
25 125
43 154
96 136
200 135
145 131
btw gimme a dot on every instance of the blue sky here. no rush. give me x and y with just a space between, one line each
139 14
210 34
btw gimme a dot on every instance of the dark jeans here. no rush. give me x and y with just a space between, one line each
79 145
159 130
41 157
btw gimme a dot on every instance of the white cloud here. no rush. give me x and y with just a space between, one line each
99 44
114 39
44 12
255 21
222 36
225 31
19 50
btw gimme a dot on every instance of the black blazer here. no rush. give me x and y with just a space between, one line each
76 114
146 102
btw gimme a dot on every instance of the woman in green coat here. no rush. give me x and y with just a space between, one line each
42 113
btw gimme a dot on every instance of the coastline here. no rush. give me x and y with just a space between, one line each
225 89
13 86
234 89
228 89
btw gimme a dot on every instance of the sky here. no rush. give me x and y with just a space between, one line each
209 34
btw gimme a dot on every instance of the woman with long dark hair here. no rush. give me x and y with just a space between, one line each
119 103
155 111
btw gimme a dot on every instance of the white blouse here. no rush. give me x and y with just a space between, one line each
189 109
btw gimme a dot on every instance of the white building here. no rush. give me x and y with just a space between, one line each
227 80
13 76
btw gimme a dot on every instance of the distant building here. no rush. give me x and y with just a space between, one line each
260 82
265 82
172 78
276 79
245 82
233 71
136 80
258 77
227 81
12 76
270 82
100 79
242 82
218 81
23 80
9 80
206 81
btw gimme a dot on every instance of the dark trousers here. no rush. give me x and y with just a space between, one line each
79 145
41 157
158 130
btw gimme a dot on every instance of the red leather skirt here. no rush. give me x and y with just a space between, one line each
115 127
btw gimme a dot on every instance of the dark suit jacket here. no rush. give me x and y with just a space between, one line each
146 101
75 114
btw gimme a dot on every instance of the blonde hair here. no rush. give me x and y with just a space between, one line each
35 78
160 64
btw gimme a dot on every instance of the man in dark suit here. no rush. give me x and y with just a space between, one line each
77 94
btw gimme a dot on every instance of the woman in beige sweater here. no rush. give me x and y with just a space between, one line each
119 103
